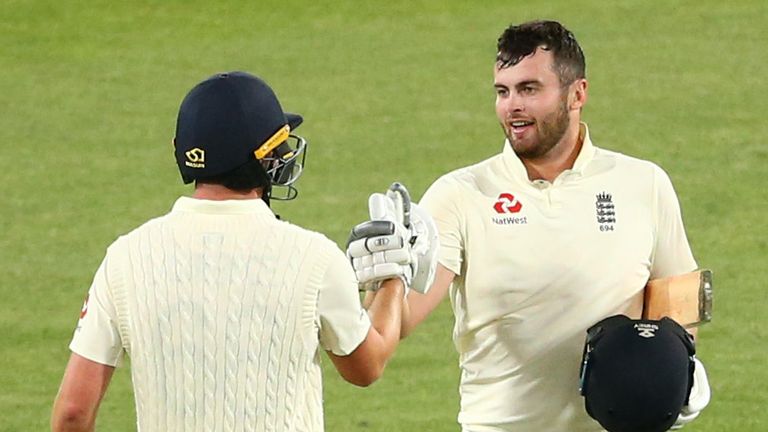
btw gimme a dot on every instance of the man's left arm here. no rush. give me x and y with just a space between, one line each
672 256
80 394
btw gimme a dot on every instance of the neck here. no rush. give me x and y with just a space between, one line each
560 158
220 193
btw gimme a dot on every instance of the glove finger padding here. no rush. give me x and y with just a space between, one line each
684 419
425 246
372 269
698 399
369 277
383 207
700 391
400 256
369 245
379 249
371 228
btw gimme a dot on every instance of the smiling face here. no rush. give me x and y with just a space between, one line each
533 107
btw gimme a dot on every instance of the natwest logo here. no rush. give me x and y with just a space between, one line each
507 203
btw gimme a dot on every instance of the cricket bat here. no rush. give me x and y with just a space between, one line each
685 298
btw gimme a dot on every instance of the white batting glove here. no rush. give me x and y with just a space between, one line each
400 240
426 242
698 398
380 248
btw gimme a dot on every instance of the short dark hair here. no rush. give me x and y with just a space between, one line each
520 41
244 178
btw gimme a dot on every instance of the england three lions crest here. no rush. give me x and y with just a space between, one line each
605 211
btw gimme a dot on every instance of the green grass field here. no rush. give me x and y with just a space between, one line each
397 90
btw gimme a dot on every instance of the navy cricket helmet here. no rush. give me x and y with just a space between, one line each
636 375
232 119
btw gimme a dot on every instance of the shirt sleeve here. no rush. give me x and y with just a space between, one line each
441 201
96 336
344 324
672 254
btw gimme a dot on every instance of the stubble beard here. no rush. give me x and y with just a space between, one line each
549 132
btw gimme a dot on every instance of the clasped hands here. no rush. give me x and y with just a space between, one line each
399 241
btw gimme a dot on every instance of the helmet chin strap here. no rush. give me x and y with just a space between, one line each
265 192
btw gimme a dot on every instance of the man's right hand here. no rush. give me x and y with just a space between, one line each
698 399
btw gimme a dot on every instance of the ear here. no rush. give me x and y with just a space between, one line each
577 96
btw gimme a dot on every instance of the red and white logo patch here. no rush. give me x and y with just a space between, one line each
507 203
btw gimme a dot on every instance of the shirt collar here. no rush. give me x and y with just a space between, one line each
586 154
244 206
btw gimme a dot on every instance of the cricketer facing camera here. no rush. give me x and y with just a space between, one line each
222 307
542 241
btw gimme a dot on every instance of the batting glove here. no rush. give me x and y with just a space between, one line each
400 240
380 248
426 242
385 254
698 399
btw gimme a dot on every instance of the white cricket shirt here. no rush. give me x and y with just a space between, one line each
539 263
223 310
